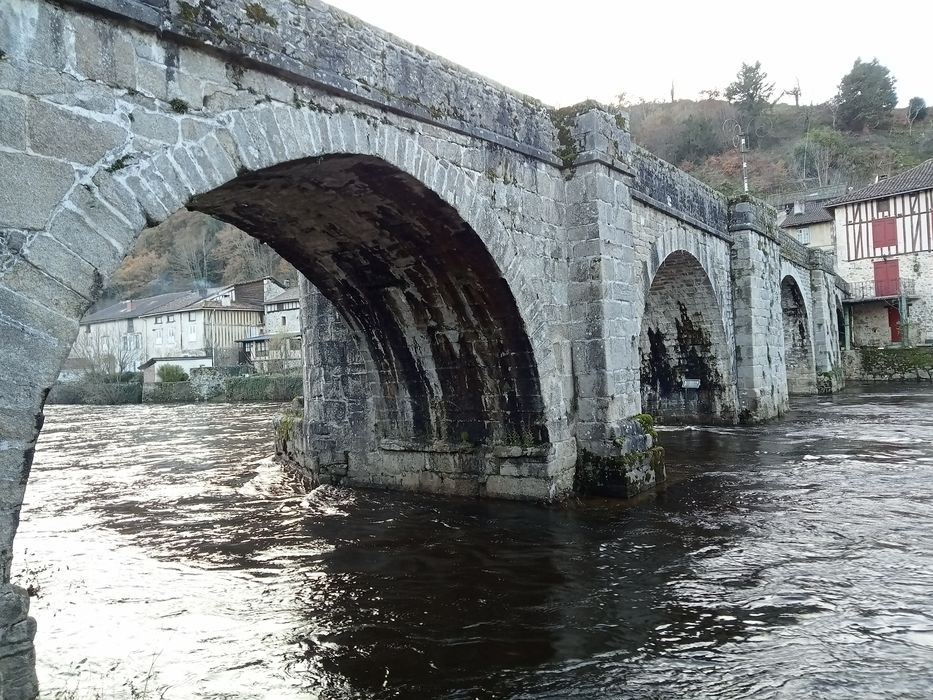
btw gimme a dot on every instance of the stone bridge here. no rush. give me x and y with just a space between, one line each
513 284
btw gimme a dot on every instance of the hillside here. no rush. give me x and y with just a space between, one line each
797 148
192 250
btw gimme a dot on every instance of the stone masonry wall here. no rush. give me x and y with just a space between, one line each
759 326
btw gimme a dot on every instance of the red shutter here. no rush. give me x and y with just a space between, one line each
884 232
894 323
887 278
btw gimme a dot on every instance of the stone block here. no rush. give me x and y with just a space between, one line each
60 133
65 266
30 188
158 127
13 122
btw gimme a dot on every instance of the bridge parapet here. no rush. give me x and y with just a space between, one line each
312 43
668 188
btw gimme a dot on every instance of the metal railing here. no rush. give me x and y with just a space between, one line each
881 289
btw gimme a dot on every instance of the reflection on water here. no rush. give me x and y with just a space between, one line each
789 560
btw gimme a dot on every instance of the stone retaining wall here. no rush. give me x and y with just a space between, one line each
889 364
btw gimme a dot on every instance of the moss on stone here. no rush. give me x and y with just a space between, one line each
187 11
646 420
179 106
120 163
258 13
897 363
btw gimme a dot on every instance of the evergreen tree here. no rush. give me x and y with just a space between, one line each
866 97
751 94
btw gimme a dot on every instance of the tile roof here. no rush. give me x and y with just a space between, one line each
813 214
133 308
289 294
919 178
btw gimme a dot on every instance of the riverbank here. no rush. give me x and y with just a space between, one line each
214 387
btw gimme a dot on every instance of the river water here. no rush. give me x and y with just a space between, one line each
792 560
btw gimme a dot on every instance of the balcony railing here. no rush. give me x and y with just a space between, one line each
881 289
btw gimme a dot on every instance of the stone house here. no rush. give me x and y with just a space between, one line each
811 224
126 335
277 347
884 249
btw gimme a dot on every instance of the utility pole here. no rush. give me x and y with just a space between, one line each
733 128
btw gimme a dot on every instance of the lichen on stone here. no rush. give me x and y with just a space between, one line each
258 13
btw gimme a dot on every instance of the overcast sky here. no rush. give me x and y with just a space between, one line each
565 52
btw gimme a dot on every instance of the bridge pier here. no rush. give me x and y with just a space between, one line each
761 375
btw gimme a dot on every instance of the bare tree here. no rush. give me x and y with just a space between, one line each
106 354
191 256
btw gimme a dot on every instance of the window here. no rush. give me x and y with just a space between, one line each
158 337
887 278
284 321
882 207
884 233
191 315
158 319
170 318
294 344
803 235
129 325
261 349
192 332
87 328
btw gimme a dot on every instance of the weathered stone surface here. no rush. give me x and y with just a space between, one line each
30 187
58 132
13 122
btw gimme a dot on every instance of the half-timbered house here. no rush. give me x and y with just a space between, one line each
884 249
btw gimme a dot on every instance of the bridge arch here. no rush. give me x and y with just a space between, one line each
396 237
683 337
799 357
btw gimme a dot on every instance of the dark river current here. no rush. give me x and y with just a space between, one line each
791 560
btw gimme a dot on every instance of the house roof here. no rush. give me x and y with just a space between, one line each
812 214
133 308
257 338
289 294
919 178
152 360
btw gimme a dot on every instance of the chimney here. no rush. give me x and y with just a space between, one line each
879 178
799 207
128 305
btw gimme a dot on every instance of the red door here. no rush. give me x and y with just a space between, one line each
894 323
887 278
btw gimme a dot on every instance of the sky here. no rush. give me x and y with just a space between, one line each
566 52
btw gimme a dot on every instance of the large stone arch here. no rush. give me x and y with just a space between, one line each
799 358
225 167
683 337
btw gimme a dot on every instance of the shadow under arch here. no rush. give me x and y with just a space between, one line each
682 338
437 324
799 358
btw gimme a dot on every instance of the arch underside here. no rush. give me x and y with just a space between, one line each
442 338
682 339
798 346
